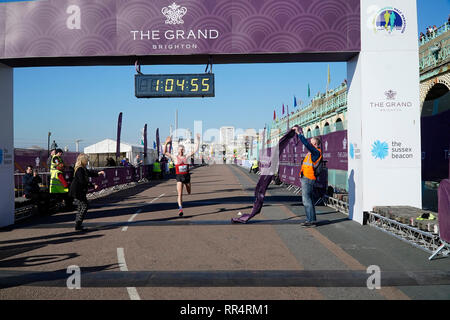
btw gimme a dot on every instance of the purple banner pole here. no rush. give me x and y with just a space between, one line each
157 141
145 142
119 128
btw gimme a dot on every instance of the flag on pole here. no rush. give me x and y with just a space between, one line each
329 78
264 138
274 115
283 108
287 117
309 91
295 102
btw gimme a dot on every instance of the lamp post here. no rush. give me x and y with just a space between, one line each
48 144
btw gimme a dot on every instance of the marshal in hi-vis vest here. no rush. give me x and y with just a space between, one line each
307 169
156 167
56 186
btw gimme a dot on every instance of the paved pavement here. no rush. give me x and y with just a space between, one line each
141 249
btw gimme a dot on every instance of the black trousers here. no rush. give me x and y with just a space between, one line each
82 205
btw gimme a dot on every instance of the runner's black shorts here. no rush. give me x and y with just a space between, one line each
184 178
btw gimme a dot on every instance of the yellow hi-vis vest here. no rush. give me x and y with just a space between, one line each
171 165
307 169
56 185
255 164
156 167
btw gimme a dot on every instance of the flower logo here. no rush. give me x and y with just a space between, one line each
380 149
352 151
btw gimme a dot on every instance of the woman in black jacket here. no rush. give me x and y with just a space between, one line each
79 187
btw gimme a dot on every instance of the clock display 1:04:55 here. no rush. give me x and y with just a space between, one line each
194 85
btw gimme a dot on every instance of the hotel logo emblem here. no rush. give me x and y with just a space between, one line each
174 13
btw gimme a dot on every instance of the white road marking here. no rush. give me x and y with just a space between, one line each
161 195
131 219
139 211
132 292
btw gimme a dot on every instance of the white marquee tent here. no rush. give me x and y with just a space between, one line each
100 151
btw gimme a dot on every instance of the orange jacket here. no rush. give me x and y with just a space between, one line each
307 169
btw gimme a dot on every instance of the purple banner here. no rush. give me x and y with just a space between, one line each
444 209
334 150
92 28
435 147
119 175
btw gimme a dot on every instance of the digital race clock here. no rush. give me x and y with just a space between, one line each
174 85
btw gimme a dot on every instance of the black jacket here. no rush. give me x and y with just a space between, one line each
31 184
80 184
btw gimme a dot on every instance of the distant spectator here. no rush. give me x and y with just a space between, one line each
435 30
157 172
110 162
422 36
125 162
171 168
164 164
31 181
138 161
448 21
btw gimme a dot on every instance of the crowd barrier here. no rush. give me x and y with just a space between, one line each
113 176
120 175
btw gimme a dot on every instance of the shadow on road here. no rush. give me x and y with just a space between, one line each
13 250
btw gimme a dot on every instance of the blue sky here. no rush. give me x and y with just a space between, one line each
84 102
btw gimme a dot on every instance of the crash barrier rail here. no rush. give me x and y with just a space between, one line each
338 201
427 241
421 228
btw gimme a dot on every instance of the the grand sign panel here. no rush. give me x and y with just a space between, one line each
113 28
